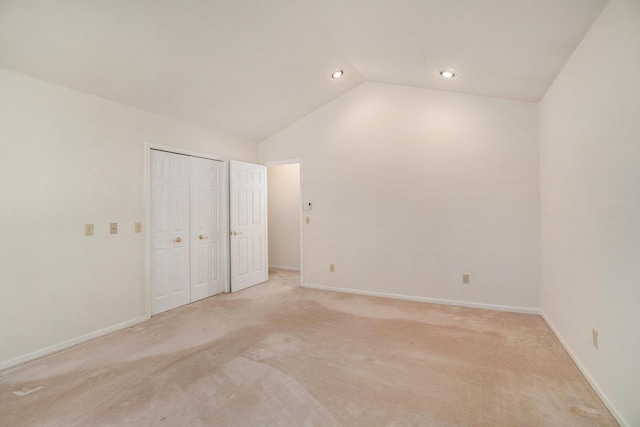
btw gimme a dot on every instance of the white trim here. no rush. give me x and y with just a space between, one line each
513 309
302 199
71 343
283 267
227 224
282 162
587 375
227 264
183 151
146 191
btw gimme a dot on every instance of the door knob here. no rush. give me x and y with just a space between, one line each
235 233
201 237
178 240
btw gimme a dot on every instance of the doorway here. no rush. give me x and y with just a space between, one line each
285 216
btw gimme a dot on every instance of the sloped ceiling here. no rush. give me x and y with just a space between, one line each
253 67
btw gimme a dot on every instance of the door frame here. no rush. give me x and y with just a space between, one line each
300 208
148 146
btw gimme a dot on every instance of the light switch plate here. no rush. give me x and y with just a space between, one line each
138 227
88 229
113 228
465 279
307 220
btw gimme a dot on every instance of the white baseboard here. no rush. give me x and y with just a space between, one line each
585 372
70 343
513 309
284 267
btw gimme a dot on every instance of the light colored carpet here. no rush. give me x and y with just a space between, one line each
278 354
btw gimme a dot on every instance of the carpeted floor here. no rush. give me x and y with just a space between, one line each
278 354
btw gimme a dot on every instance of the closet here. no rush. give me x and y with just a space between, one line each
188 229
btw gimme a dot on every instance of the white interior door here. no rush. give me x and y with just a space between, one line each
188 229
207 225
248 222
169 231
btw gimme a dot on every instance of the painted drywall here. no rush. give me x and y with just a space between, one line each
412 188
69 159
283 189
590 187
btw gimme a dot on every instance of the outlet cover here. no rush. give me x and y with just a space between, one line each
594 334
332 268
113 228
307 220
88 229
465 279
138 227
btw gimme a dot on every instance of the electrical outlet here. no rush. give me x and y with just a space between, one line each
307 220
88 229
594 334
465 279
113 228
332 268
138 227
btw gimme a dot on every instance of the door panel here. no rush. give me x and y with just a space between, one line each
257 253
206 233
248 220
169 232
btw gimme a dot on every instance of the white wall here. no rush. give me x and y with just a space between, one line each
411 188
283 182
590 174
68 159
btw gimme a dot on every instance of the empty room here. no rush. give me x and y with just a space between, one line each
295 212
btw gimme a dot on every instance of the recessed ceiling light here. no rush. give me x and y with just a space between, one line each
447 74
337 74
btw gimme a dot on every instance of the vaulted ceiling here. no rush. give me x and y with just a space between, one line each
253 67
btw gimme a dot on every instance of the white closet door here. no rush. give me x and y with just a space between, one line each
207 225
248 221
169 231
